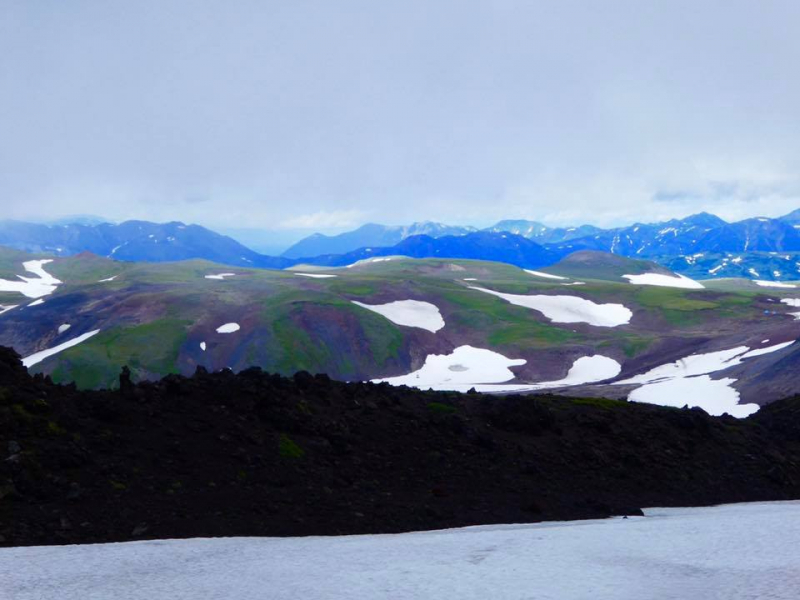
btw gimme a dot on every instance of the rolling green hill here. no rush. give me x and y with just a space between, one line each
164 318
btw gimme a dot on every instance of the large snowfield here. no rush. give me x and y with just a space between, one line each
730 552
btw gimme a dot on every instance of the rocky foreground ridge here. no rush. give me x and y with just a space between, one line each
220 454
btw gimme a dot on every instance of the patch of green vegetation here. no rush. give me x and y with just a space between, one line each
324 333
55 429
530 333
148 348
288 448
604 403
634 346
671 299
442 408
502 323
354 288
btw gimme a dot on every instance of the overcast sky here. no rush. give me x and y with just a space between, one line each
297 116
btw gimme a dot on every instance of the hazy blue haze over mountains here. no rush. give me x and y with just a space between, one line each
701 245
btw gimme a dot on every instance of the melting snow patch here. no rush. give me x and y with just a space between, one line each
774 284
587 369
220 276
38 357
203 346
42 285
663 280
717 395
7 307
228 328
463 368
63 328
108 279
410 313
487 371
569 309
36 302
686 381
316 275
546 275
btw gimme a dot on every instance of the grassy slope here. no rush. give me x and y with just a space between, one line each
154 316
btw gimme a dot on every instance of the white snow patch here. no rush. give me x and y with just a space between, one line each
228 328
220 276
545 275
410 313
42 285
316 275
715 396
108 279
36 302
774 284
487 371
701 364
7 307
736 260
463 368
791 302
662 280
574 283
38 357
587 369
569 309
753 272
63 328
470 279
686 381
203 346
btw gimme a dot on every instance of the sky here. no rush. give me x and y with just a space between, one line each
301 116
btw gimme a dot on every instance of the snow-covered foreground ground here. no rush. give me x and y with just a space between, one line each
726 552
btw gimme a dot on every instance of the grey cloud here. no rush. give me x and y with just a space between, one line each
305 112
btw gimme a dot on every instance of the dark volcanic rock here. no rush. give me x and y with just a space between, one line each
258 454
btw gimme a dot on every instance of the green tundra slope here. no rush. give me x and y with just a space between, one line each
164 318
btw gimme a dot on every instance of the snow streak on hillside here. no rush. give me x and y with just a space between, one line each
569 309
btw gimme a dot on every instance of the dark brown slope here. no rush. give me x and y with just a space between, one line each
256 454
